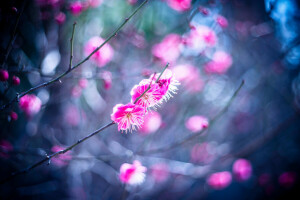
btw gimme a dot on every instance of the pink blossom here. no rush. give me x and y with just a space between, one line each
132 2
16 80
4 75
76 7
76 91
242 169
196 123
107 79
222 21
287 179
30 104
203 10
5 148
133 174
151 98
220 63
13 116
189 75
60 18
72 115
128 116
61 159
168 49
179 5
160 172
95 3
83 83
152 122
103 55
200 154
219 180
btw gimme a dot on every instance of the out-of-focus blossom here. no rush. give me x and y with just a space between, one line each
60 18
242 169
199 38
76 91
200 154
132 174
128 116
264 179
152 122
53 3
16 80
95 3
103 55
179 5
5 148
4 75
83 83
160 172
132 2
168 49
76 7
61 159
189 76
107 79
222 21
219 180
220 63
13 116
287 179
72 115
30 104
203 10
196 123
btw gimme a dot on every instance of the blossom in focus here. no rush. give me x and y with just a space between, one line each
287 179
220 63
128 116
196 123
242 169
189 76
5 148
103 55
152 122
219 180
133 174
222 21
160 172
61 159
168 49
179 5
76 7
30 104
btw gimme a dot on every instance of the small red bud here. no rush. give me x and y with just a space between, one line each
13 116
16 80
4 75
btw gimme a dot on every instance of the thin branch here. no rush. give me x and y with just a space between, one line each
71 41
16 99
191 137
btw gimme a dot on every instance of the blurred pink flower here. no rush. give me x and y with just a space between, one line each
76 7
220 63
103 55
222 21
5 148
242 169
128 116
189 76
264 179
160 172
179 5
287 179
203 10
16 80
168 49
219 180
151 98
200 154
62 159
95 3
60 18
4 75
76 91
107 79
133 174
13 115
152 122
83 83
72 115
53 3
196 123
132 2
30 104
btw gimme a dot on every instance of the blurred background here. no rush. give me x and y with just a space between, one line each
250 152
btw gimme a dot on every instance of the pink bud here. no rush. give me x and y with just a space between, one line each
76 7
219 180
83 83
16 80
13 116
60 18
132 2
222 21
203 10
4 75
242 169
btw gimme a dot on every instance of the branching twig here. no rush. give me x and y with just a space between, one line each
77 65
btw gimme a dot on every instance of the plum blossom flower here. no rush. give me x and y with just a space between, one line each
160 172
242 169
152 122
219 180
220 63
76 7
103 55
168 49
179 5
62 159
196 123
128 116
30 104
189 76
132 174
222 21
4 75
60 18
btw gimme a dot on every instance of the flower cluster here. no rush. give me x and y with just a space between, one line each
149 93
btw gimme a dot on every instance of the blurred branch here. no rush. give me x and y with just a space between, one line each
71 41
45 84
191 137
